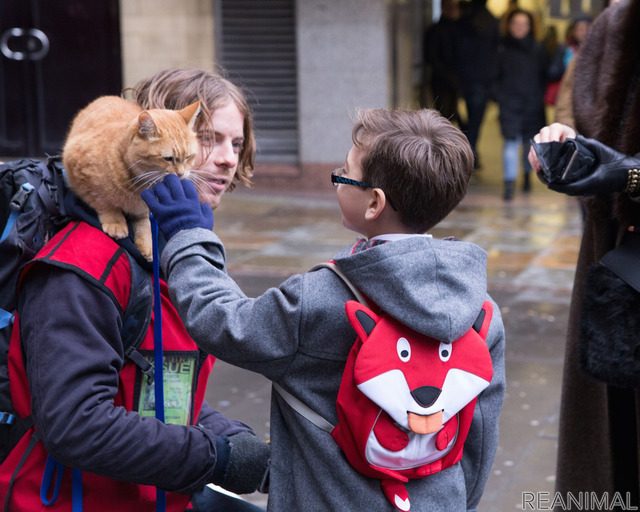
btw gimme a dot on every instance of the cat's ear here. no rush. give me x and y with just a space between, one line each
190 114
146 126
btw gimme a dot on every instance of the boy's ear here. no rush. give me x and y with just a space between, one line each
376 204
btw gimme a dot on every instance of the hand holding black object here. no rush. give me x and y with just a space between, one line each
248 465
175 205
609 173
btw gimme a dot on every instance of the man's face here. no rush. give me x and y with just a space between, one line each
220 149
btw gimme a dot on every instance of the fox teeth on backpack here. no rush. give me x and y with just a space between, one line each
406 400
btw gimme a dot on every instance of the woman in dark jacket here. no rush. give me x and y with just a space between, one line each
598 445
519 85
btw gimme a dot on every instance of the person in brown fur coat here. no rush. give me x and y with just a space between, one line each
599 423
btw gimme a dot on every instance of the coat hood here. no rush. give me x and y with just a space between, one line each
436 287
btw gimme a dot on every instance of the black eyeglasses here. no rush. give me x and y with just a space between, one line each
337 178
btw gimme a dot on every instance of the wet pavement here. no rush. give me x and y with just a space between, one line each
532 243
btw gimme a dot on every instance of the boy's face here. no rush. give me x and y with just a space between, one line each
353 200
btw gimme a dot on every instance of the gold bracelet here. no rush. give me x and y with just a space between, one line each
633 182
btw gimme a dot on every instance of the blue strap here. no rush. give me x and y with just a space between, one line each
158 361
6 418
76 490
13 216
6 318
52 468
16 204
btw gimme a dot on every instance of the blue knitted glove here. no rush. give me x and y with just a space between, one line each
175 205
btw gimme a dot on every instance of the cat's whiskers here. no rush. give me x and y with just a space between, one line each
147 180
200 182
203 177
133 164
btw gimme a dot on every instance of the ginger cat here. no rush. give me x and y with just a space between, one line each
114 150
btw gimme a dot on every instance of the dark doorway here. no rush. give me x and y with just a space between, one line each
56 56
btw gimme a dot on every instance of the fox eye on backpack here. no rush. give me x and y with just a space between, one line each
406 400
32 211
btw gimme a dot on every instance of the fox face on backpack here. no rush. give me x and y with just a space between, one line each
406 401
31 211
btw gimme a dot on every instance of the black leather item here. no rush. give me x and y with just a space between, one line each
563 162
568 169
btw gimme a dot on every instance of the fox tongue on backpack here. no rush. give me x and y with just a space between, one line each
425 424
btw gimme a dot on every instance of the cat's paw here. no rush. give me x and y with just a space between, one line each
116 230
146 251
143 240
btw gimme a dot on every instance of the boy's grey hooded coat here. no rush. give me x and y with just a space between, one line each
298 335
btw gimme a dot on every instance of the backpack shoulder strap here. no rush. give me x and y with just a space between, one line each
136 312
332 266
296 404
303 409
137 315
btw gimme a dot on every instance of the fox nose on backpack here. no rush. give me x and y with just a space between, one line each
426 395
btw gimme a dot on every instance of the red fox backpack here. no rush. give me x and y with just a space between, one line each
32 210
406 400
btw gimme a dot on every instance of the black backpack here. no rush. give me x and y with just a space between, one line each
32 210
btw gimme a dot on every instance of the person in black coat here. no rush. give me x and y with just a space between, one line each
519 85
439 54
476 40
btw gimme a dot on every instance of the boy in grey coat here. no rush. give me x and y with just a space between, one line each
405 172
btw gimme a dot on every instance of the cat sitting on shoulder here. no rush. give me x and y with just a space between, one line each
114 150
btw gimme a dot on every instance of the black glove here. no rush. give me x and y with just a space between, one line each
247 470
175 205
609 172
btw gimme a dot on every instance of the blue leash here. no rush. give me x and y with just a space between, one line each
161 496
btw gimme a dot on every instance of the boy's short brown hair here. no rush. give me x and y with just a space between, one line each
418 158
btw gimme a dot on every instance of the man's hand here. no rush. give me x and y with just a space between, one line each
175 205
248 463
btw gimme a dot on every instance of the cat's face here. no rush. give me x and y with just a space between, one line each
163 143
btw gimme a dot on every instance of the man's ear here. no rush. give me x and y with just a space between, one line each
376 204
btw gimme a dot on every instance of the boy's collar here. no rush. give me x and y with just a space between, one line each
390 237
362 244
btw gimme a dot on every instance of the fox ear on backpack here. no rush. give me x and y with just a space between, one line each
361 318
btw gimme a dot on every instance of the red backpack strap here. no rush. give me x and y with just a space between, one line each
91 254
